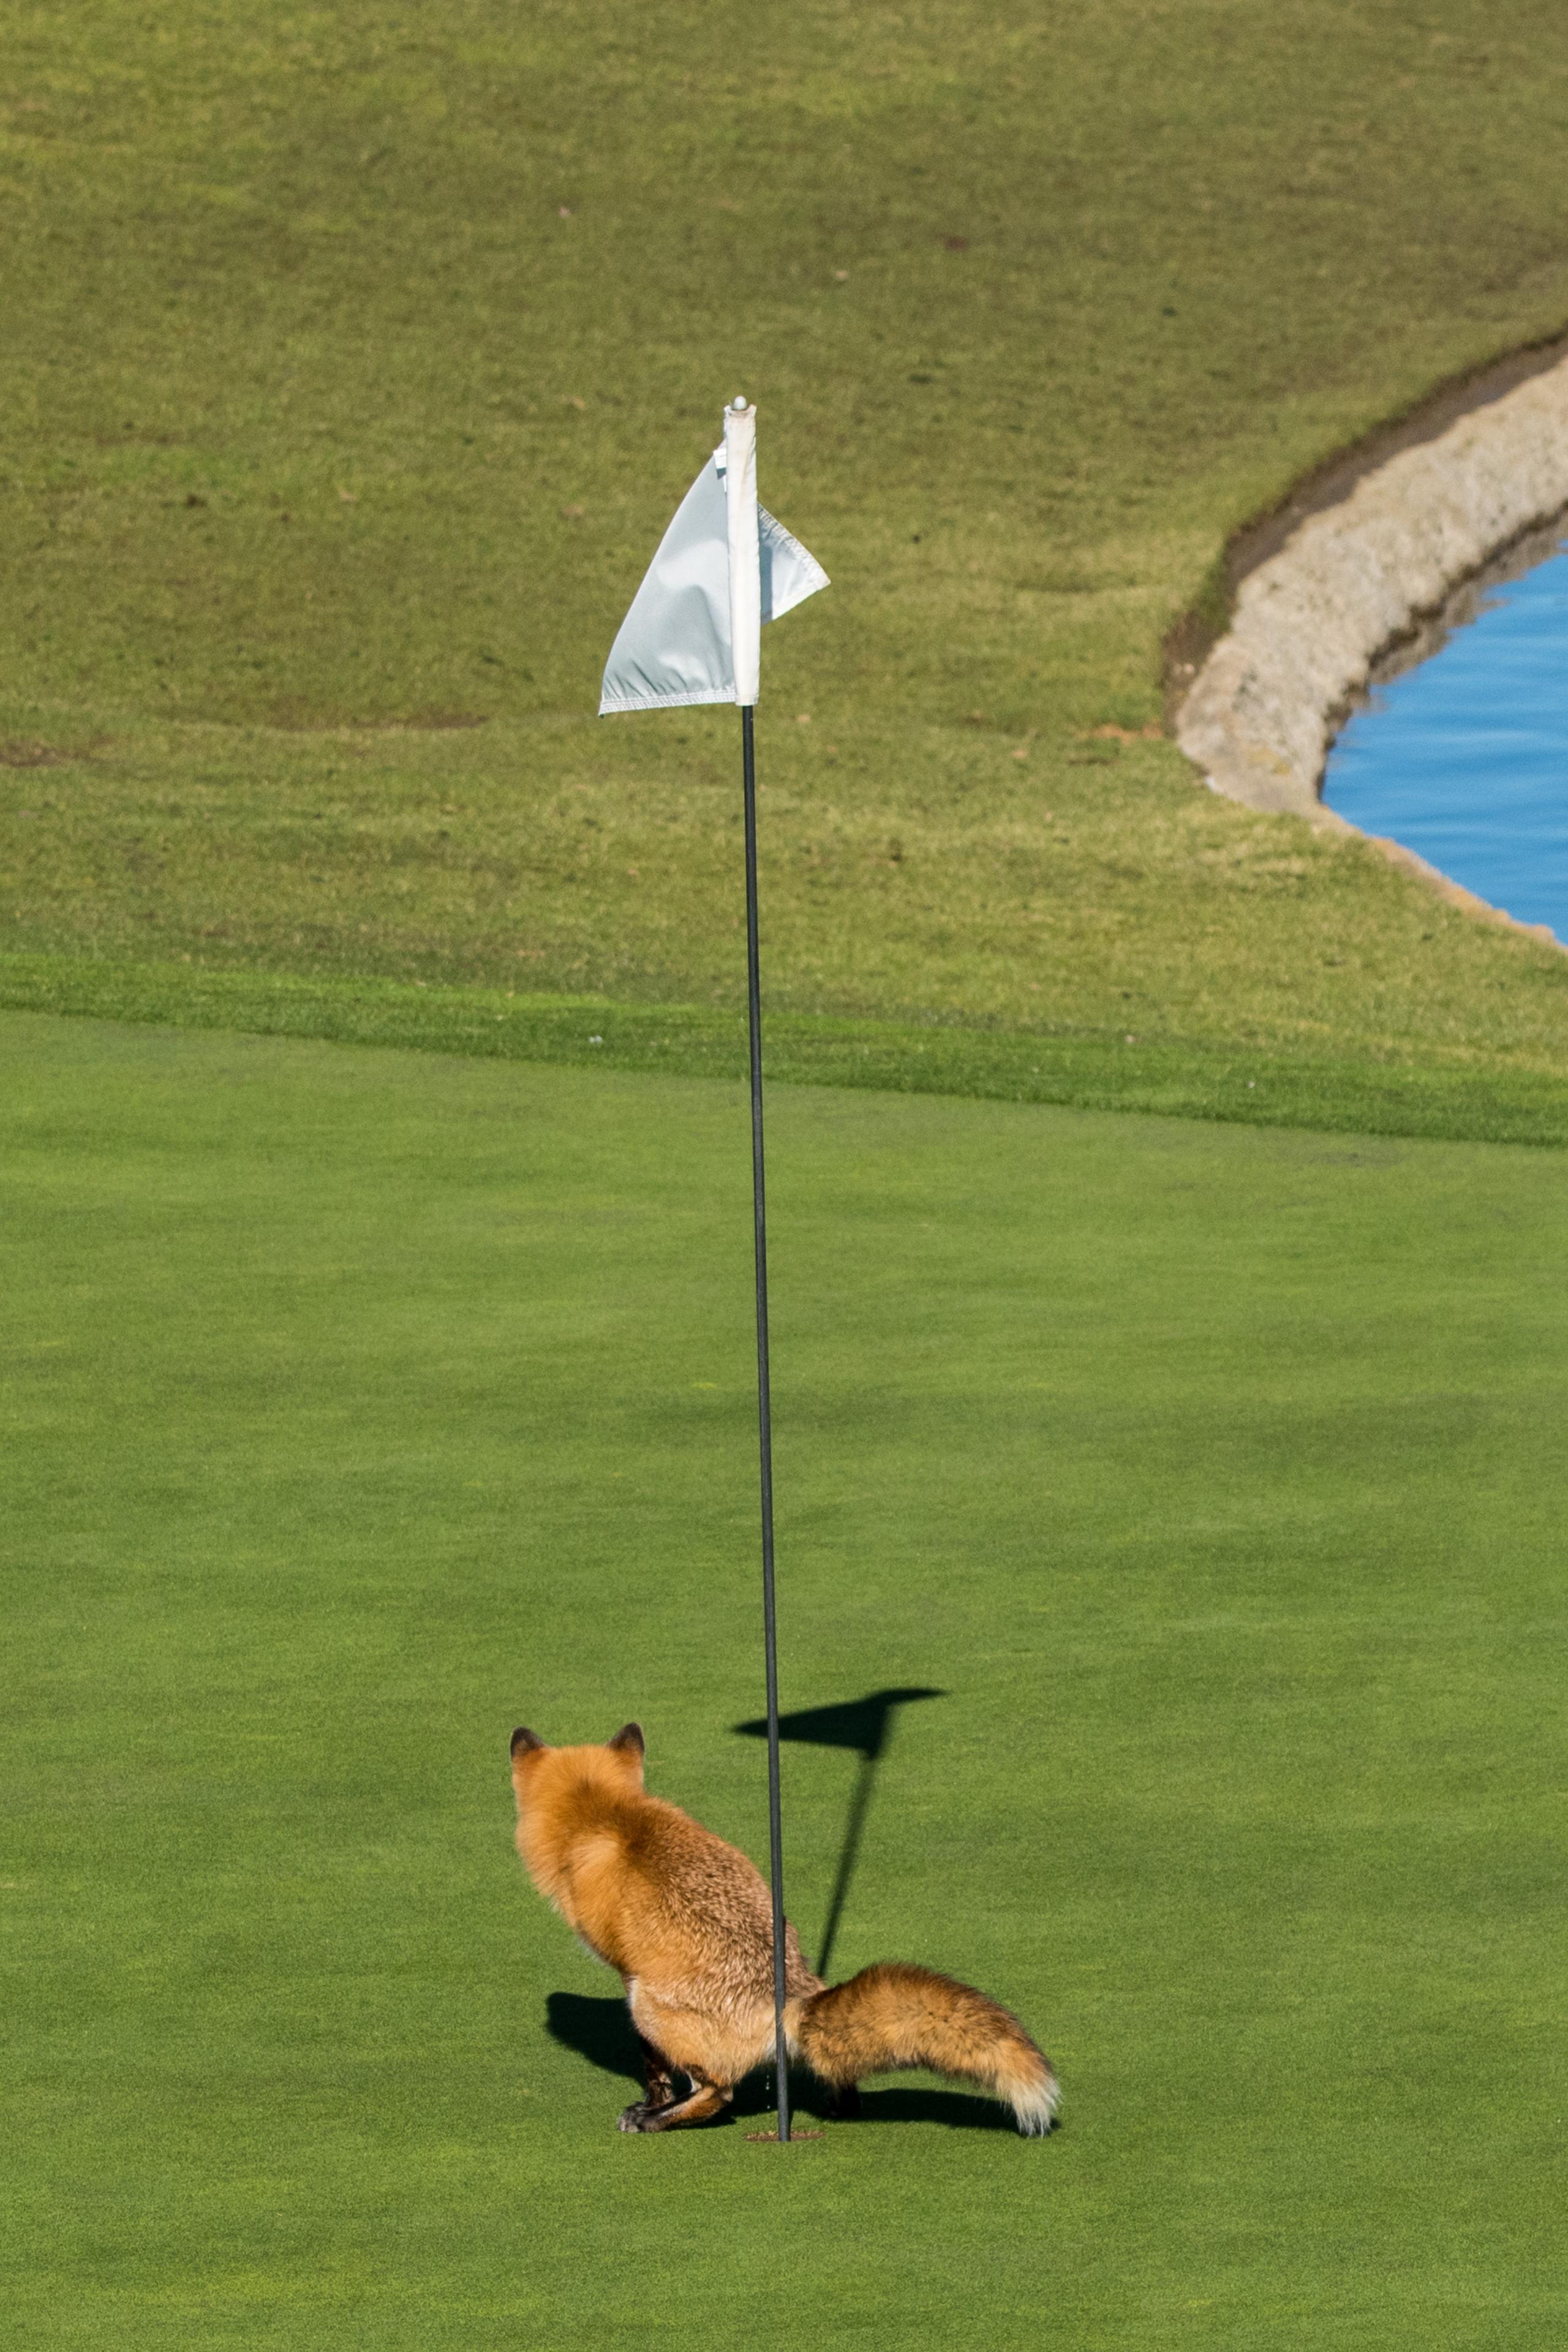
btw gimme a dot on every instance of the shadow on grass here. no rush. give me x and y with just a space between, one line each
865 1726
956 2109
597 2027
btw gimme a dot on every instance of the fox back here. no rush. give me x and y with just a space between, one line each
647 1888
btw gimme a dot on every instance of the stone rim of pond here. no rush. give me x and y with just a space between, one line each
1359 587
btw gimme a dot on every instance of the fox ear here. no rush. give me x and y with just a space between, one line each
629 1741
523 1741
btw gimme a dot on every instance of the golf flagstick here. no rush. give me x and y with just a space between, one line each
746 649
694 634
764 1415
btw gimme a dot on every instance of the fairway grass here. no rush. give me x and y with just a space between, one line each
356 360
1455 1092
360 1403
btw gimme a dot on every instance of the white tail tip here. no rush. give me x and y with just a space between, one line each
1036 2108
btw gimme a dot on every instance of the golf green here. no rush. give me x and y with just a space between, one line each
360 1403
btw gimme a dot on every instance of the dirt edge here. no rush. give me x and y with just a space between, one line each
1359 570
1194 634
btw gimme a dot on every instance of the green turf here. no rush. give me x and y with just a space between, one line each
354 361
360 1403
1459 1094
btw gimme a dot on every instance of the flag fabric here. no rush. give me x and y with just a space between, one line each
723 567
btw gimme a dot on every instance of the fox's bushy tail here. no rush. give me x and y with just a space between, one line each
894 2015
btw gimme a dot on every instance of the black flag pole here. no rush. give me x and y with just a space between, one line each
765 1411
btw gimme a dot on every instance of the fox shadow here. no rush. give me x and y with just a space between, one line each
598 2027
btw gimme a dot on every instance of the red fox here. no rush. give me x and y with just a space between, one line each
687 1921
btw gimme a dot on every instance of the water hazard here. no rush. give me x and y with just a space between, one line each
1464 758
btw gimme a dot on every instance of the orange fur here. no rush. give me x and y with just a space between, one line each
688 1922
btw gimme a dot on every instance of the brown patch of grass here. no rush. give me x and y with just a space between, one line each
288 720
34 755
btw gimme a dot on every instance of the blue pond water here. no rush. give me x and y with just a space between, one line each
1465 759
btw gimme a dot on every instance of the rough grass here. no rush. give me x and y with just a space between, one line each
355 362
362 1404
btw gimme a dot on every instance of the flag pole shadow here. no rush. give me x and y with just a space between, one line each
864 1725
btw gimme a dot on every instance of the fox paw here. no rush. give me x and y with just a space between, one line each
638 2117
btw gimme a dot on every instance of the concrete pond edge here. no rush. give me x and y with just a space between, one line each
1362 572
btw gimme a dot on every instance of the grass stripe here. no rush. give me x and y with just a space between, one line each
1173 1077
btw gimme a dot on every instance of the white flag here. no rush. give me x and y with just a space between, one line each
723 567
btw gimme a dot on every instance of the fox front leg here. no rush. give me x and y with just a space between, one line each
659 2076
663 2110
705 2101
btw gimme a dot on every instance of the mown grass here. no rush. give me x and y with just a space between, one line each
1464 1097
355 362
362 1403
